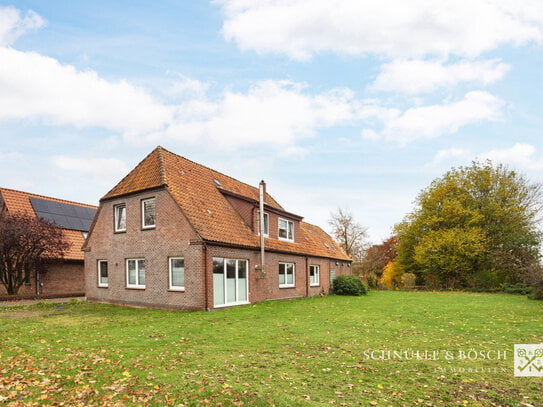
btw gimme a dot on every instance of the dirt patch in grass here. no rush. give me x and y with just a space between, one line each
33 314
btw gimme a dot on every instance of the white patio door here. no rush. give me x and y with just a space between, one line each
230 281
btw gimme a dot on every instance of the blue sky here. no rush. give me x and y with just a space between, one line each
346 104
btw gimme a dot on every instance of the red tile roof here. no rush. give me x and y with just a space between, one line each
197 191
18 202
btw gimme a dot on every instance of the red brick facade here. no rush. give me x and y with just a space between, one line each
58 277
174 236
63 276
200 215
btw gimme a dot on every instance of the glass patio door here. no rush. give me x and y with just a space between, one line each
230 281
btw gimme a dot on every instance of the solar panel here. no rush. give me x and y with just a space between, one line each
64 215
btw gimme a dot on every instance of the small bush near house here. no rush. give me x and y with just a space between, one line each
349 285
408 280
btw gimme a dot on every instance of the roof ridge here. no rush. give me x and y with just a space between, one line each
161 165
46 197
156 149
208 168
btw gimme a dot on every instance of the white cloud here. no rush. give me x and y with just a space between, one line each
450 153
10 156
278 113
392 28
432 121
183 86
37 87
13 24
418 76
97 169
521 155
40 88
270 112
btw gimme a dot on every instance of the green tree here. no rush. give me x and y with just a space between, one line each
476 226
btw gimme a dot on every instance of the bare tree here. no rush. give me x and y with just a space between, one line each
349 234
24 242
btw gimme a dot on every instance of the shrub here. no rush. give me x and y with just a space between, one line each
518 288
537 293
391 274
349 285
408 280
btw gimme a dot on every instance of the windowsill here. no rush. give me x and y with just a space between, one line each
177 290
141 287
103 286
148 228
314 285
285 240
119 231
286 286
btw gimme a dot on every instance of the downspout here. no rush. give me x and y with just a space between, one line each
206 278
307 277
262 192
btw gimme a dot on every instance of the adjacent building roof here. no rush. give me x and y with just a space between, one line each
198 191
72 217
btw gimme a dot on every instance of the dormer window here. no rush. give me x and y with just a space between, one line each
266 223
148 213
120 218
286 230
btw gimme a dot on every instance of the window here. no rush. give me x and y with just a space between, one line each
332 277
286 229
135 273
120 218
266 224
177 273
286 275
102 273
314 275
148 213
230 281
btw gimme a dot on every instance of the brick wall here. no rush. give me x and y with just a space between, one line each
267 288
63 277
170 238
174 237
56 278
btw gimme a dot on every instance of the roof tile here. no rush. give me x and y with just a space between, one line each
18 202
197 191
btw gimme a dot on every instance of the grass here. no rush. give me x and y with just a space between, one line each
288 353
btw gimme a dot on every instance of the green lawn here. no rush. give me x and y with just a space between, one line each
286 353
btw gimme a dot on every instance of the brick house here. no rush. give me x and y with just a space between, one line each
175 234
55 276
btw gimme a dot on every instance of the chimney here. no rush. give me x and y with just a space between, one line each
262 194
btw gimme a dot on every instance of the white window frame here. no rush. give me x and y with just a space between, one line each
116 217
170 269
279 230
266 216
100 283
293 275
317 275
137 285
225 286
143 225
